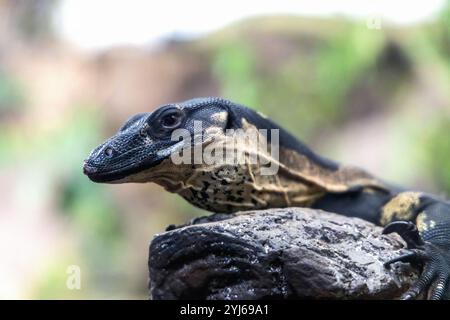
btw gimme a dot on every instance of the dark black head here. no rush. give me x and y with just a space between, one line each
145 140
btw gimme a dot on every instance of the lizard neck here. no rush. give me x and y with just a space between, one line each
220 186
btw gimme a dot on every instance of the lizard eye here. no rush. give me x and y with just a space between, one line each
167 121
171 119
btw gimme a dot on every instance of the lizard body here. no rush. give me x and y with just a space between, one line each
142 151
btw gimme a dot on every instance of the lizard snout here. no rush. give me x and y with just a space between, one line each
87 169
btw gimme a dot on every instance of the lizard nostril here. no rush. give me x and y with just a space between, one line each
108 152
87 169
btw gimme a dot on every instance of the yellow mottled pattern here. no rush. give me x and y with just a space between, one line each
423 223
401 207
420 222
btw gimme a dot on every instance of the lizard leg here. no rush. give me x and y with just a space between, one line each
429 248
407 230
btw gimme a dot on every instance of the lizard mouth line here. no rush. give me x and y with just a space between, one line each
116 174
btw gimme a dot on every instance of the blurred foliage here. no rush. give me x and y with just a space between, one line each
305 87
442 32
433 40
53 282
12 96
303 73
342 61
434 149
234 66
93 214
34 18
91 211
440 142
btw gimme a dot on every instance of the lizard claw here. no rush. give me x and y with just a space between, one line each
407 230
434 281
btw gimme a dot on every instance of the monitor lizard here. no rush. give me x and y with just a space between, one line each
143 149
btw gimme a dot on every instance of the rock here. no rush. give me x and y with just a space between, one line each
287 253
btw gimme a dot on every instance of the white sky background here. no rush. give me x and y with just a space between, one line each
99 24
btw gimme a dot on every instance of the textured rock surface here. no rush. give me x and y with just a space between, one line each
278 253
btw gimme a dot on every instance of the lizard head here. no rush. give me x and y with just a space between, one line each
146 140
146 146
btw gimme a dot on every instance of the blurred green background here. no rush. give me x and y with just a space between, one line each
378 98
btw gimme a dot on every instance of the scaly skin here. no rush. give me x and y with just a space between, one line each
141 152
